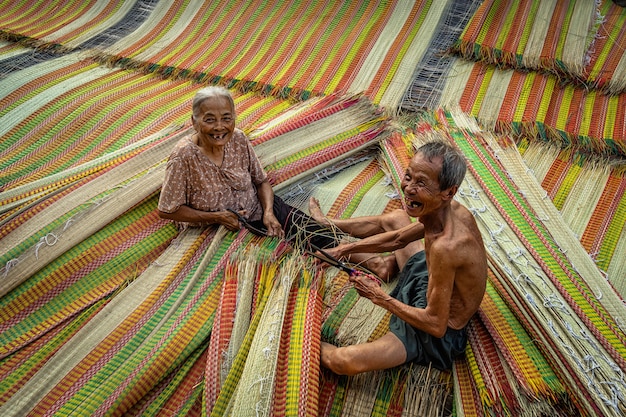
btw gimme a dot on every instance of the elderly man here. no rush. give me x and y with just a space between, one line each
442 263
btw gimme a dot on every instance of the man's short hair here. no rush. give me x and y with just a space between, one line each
211 92
453 165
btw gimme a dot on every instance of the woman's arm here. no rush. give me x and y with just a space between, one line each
191 215
266 197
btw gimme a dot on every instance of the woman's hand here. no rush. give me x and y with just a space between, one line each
231 221
273 225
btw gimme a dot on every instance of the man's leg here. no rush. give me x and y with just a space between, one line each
383 353
384 266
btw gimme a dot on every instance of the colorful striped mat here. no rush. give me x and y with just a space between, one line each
554 36
539 111
581 41
537 106
338 47
282 42
105 309
148 332
552 283
565 88
388 79
109 109
64 25
590 196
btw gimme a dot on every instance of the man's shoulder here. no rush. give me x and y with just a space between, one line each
463 240
461 211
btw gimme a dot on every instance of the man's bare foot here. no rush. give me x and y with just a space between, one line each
316 212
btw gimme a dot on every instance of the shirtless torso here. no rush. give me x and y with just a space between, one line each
458 253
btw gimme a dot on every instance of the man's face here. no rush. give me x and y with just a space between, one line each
421 186
215 121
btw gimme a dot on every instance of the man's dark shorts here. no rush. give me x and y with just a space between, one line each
421 347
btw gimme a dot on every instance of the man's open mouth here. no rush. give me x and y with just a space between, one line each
413 204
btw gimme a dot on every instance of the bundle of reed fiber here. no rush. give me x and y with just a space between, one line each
244 288
549 35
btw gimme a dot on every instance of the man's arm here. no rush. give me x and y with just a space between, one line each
434 318
382 242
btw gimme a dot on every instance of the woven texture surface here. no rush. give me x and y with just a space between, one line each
106 309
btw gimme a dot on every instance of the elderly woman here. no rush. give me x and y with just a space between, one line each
215 172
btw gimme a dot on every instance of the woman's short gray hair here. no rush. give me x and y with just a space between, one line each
211 92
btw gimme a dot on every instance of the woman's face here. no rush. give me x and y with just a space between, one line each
214 121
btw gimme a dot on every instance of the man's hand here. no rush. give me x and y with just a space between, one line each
369 287
273 225
337 252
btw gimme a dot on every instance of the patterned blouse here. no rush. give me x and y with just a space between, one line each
191 179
